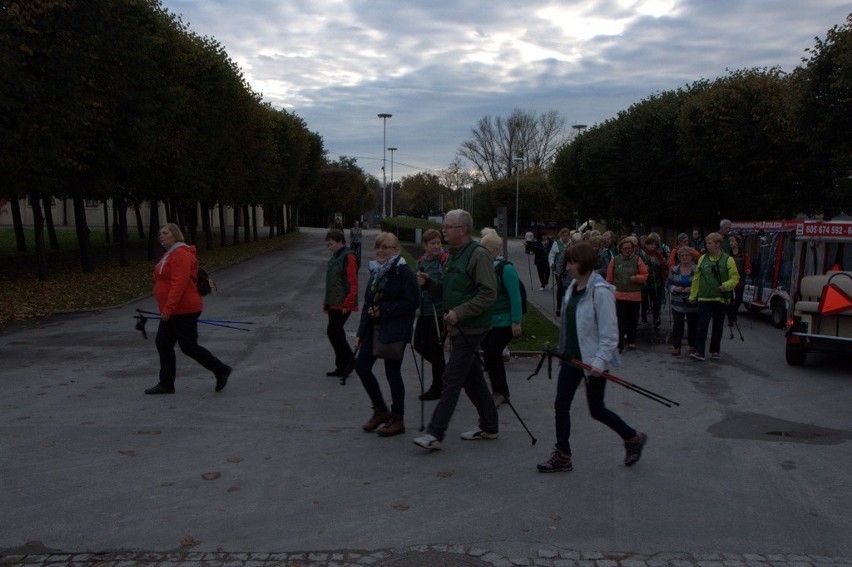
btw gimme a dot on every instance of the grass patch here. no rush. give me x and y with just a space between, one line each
538 331
24 297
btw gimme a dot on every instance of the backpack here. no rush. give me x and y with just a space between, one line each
204 283
499 272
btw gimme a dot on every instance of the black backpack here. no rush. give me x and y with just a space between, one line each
204 283
499 272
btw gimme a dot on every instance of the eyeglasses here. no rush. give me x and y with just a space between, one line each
449 226
385 247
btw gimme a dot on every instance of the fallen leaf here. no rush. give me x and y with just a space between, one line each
445 474
234 489
400 506
129 453
148 432
211 475
235 459
555 517
189 541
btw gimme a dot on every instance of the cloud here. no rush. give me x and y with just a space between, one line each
439 66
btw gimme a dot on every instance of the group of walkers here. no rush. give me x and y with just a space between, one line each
469 298
702 279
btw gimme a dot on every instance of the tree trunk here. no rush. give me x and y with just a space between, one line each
246 225
269 215
254 222
106 220
223 237
205 225
236 225
120 230
51 229
153 230
18 222
140 224
87 261
192 220
38 227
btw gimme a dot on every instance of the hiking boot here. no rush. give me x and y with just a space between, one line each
222 378
428 441
676 351
558 462
160 389
394 426
695 356
478 434
634 449
715 356
379 417
430 394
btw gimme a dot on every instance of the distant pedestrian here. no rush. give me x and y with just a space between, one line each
355 234
538 248
429 332
715 277
628 273
743 262
469 289
679 286
557 265
390 305
589 333
341 299
176 291
724 230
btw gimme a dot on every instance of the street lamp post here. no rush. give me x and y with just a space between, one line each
579 128
384 116
517 190
391 150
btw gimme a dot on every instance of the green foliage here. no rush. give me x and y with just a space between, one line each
405 227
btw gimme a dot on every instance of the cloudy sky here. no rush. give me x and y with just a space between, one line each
438 66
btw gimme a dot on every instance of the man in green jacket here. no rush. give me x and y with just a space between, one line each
468 289
715 278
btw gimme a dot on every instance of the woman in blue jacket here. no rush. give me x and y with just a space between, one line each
589 333
390 301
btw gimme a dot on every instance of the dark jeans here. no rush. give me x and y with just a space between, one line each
569 379
543 273
393 373
654 296
429 343
492 349
678 318
337 337
183 331
734 307
464 371
710 311
628 318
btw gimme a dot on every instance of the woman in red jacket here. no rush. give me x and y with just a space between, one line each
180 304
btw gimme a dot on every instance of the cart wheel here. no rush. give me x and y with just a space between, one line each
779 314
795 356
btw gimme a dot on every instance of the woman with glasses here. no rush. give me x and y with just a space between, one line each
390 305
628 273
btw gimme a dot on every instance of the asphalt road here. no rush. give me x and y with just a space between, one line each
755 459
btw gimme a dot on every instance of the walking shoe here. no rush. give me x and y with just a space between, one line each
558 462
428 441
676 351
478 434
631 346
160 389
499 399
335 373
379 417
634 448
222 378
542 288
430 394
695 356
715 355
394 426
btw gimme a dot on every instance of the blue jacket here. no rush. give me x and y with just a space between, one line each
597 324
399 298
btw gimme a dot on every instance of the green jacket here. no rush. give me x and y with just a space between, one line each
469 287
706 281
341 290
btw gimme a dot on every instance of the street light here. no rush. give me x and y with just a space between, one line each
579 128
391 150
517 191
384 116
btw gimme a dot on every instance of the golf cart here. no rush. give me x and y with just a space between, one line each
820 318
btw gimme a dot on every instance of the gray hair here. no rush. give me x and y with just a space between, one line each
462 219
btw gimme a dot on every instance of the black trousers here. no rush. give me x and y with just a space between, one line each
337 337
492 350
183 331
429 343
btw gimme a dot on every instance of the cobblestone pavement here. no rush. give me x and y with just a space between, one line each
425 556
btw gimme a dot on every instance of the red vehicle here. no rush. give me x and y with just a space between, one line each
770 246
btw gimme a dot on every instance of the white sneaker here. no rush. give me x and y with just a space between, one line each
428 441
478 434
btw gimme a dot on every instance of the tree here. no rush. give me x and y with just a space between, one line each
495 142
421 193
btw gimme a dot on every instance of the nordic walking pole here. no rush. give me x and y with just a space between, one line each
479 358
529 267
419 377
622 382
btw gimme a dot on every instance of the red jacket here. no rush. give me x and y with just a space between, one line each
175 277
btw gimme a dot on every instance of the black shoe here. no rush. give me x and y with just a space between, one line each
222 378
160 389
336 373
430 394
347 370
